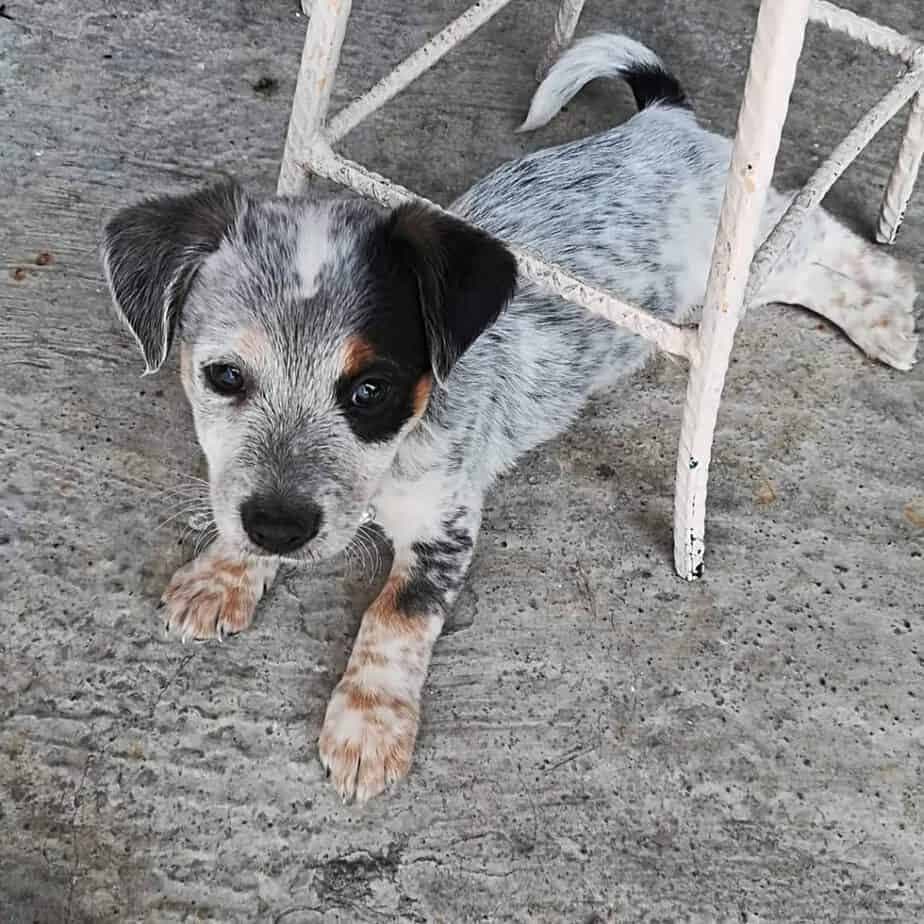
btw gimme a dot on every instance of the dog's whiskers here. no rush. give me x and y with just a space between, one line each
190 510
183 487
354 560
367 543
187 478
206 538
363 551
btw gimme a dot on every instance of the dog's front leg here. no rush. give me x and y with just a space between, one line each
216 594
371 723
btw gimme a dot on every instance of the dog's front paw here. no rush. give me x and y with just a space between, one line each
214 596
368 739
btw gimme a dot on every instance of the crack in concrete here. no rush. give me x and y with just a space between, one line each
75 866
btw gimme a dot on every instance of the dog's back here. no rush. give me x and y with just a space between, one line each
632 209
624 208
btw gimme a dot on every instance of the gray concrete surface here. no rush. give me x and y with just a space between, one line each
601 742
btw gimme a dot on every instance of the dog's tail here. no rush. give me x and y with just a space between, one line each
604 55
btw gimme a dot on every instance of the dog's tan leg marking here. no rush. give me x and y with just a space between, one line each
371 723
216 594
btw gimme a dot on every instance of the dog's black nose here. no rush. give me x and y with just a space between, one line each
278 525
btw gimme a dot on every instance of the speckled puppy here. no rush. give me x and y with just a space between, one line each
337 357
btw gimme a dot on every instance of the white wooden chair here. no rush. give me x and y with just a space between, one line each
736 271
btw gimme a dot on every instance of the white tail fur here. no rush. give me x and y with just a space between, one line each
603 55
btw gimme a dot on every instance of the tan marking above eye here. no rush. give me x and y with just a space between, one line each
358 353
186 366
252 343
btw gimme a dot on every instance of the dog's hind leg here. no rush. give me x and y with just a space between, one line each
856 285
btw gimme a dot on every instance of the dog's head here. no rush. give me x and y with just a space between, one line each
311 335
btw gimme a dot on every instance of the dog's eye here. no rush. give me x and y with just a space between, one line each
366 395
224 378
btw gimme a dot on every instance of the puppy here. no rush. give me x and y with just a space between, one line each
341 359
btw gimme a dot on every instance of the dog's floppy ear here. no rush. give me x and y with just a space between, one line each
465 277
151 253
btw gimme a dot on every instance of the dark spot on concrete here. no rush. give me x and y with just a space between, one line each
266 86
355 874
605 471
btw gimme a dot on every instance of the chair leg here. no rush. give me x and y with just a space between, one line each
774 55
903 176
566 22
316 73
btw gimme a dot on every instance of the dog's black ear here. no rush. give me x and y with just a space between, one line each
151 253
465 277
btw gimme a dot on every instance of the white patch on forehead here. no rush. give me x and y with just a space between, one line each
316 248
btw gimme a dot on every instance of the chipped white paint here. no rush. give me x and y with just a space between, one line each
788 227
908 163
320 57
774 56
863 30
566 21
903 176
672 339
772 72
412 67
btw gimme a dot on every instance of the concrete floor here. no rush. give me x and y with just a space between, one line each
601 741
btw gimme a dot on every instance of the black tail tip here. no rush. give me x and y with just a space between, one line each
651 84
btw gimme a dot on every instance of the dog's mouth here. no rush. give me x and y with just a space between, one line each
304 555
